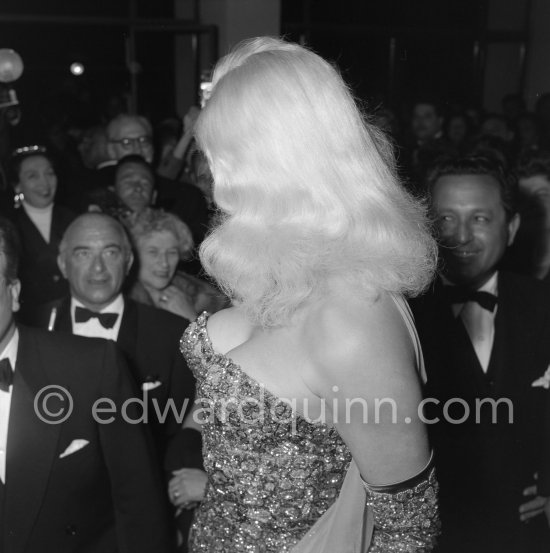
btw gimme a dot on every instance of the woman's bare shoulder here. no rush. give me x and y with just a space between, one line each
228 329
360 340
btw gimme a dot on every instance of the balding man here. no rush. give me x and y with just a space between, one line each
130 134
95 257
76 475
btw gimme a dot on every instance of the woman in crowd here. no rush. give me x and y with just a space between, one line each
316 245
161 241
41 224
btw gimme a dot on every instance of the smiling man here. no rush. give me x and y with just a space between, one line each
69 482
95 257
486 339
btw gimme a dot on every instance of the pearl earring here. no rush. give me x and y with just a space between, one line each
18 199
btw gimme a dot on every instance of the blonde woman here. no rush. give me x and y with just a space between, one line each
161 240
317 244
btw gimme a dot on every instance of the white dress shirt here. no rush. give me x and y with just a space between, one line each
10 351
93 328
41 217
479 322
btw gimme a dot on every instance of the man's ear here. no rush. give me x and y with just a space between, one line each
15 290
513 226
62 264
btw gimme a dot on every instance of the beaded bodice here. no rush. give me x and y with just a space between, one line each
271 472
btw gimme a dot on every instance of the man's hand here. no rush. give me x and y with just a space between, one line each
187 487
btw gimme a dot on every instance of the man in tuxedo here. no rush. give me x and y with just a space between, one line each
485 335
75 476
95 257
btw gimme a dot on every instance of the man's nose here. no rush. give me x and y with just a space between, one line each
98 264
463 232
136 147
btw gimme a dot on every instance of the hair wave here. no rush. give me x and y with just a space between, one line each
306 187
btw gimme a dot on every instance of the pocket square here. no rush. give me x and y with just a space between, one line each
147 386
543 381
74 446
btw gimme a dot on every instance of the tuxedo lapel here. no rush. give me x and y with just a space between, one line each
128 336
63 321
499 356
30 450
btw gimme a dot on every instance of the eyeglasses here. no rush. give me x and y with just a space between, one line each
128 143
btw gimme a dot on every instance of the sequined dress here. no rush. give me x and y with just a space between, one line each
272 475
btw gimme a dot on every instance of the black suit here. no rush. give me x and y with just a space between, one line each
106 497
483 467
41 279
149 339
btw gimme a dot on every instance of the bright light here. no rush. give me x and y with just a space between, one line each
77 68
11 65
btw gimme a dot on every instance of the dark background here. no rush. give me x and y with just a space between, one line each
389 51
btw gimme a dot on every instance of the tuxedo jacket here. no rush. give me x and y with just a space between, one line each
104 497
485 462
41 279
149 340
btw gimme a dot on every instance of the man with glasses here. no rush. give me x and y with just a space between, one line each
132 134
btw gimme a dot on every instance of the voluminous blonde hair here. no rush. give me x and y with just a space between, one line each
306 187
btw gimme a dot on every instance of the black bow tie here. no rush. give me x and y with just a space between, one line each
461 294
83 315
6 374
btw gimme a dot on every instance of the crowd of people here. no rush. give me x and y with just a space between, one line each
237 283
